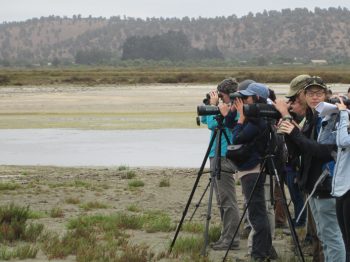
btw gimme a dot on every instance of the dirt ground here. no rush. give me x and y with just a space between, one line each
45 188
111 107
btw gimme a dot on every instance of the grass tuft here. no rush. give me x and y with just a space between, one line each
193 227
188 245
13 222
8 186
133 208
136 183
165 182
93 205
72 200
157 221
56 212
122 168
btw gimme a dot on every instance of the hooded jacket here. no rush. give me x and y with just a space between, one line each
341 179
313 155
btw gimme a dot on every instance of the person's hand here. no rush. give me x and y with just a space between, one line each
286 127
238 103
224 109
214 98
341 106
281 106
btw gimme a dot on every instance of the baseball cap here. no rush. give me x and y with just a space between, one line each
256 89
315 81
297 84
244 84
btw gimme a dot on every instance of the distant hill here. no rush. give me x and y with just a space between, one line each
285 36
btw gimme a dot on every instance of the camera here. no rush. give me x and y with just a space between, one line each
335 100
261 110
207 110
206 100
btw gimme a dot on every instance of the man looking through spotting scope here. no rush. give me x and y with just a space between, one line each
224 185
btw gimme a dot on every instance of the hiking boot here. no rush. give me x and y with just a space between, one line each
224 246
215 243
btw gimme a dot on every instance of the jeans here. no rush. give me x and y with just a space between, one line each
296 196
257 215
328 231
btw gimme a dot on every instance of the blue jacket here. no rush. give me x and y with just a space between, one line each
211 122
341 178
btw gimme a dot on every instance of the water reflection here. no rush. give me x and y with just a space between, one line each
70 147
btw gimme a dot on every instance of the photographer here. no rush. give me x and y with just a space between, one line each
252 133
341 180
316 160
225 186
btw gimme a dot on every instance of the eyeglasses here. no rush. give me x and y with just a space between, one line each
315 80
315 93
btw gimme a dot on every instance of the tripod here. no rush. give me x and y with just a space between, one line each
219 130
268 165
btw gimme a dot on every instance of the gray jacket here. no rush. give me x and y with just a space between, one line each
341 179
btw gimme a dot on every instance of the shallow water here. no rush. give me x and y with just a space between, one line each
70 147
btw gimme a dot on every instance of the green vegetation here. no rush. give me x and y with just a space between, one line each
56 212
122 168
93 205
133 208
157 74
136 183
165 182
8 186
192 245
72 200
14 227
20 252
157 221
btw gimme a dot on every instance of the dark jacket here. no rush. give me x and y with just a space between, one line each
313 155
252 131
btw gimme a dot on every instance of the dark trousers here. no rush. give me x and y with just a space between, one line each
297 197
343 216
257 215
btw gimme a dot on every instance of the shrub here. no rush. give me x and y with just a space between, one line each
13 222
165 182
136 183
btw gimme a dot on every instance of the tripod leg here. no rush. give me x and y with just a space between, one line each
200 172
206 231
285 206
215 174
200 200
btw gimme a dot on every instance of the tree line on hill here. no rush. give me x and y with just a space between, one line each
278 37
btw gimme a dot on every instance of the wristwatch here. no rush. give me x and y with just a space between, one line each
287 117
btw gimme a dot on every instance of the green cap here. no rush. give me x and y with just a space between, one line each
297 84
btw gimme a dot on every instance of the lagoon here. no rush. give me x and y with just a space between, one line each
75 147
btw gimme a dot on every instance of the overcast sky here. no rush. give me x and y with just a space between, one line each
20 10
